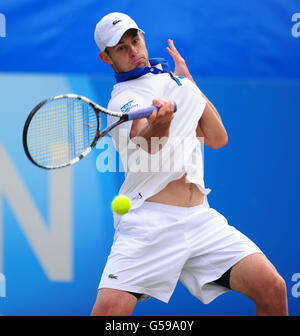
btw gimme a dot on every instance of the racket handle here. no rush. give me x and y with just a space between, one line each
145 112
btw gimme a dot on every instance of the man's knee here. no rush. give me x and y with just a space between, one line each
257 278
273 293
111 302
104 306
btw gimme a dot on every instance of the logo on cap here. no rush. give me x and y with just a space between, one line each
116 21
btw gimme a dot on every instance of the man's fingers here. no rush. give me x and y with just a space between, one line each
158 103
171 52
178 59
165 112
171 49
152 116
172 46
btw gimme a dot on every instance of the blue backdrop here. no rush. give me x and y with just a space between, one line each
56 228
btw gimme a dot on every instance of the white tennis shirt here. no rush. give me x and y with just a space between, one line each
147 174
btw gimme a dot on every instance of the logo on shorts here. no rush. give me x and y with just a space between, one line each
138 196
112 276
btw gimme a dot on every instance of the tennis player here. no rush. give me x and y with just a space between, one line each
171 232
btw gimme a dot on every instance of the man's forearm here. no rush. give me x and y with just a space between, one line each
152 133
211 128
152 138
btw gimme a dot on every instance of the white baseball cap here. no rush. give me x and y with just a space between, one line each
111 28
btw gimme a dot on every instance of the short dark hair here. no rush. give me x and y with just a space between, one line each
132 32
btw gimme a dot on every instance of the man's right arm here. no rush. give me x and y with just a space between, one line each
157 126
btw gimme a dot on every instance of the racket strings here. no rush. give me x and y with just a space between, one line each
60 131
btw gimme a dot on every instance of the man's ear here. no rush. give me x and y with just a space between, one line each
105 57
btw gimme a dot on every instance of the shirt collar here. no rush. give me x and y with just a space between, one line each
141 71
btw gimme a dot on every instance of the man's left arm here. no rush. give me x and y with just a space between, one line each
210 126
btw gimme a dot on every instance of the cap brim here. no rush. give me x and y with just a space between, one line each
115 39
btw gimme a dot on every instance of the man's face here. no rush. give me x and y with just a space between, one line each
130 53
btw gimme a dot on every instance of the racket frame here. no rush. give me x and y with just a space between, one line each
97 109
123 117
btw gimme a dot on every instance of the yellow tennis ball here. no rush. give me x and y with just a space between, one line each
121 204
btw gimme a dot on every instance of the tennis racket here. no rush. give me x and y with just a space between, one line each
63 129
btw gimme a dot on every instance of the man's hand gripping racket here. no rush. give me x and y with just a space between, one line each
63 129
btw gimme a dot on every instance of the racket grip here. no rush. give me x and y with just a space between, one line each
145 112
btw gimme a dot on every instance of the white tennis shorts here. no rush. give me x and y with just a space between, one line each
156 245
